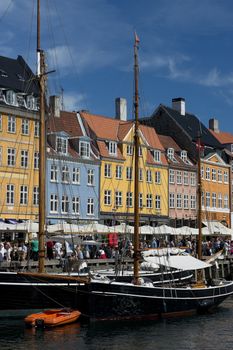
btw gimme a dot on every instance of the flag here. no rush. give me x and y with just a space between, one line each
137 41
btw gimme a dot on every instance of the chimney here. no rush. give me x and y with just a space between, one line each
179 105
121 108
213 125
55 106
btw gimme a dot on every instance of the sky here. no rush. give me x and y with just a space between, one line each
186 50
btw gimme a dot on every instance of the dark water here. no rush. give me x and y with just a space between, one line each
208 332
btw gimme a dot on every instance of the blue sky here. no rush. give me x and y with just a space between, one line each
186 50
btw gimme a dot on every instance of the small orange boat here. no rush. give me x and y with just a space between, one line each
52 318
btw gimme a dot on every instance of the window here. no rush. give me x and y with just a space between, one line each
10 194
202 172
214 178
25 127
220 200
118 199
129 173
90 206
37 129
225 177
61 145
119 172
202 198
207 198
186 201
84 149
214 200
107 170
64 204
226 205
53 203
129 150
53 173
0 122
112 148
171 200
129 199
11 126
148 176
207 173
107 197
65 174
149 200
179 200
36 160
11 97
23 194
193 179
183 155
158 177
24 159
179 177
140 174
186 178
90 177
76 176
75 205
171 176
156 156
31 102
170 153
35 195
157 202
140 151
219 175
11 156
140 200
193 201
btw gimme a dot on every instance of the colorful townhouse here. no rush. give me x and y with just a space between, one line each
19 141
182 185
185 129
72 169
113 138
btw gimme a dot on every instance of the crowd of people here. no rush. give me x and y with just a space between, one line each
21 251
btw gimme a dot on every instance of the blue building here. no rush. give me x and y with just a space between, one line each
73 168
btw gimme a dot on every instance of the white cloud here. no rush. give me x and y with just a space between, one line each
73 101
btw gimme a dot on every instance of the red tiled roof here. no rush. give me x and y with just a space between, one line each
67 122
222 137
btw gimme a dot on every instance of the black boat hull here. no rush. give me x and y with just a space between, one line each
106 300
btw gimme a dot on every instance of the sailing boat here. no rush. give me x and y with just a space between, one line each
140 299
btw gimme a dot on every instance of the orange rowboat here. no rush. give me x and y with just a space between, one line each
52 318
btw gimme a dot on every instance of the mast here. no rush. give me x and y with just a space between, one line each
136 165
42 142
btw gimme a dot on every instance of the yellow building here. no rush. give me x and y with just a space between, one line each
114 141
19 141
215 174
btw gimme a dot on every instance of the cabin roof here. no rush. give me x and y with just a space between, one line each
222 137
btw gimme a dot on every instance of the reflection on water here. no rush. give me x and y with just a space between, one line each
212 331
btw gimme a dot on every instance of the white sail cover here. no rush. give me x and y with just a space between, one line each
181 262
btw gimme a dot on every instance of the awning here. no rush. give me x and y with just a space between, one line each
180 262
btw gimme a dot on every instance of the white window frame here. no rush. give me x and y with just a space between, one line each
129 199
84 149
25 127
11 156
53 173
61 145
76 176
75 205
90 177
10 194
23 195
53 203
11 124
90 206
107 197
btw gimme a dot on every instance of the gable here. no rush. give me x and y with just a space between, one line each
215 158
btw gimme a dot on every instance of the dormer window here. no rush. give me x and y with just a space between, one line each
31 102
11 98
183 155
156 155
170 153
84 149
62 144
129 150
112 148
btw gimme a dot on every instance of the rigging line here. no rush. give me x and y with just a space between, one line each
6 10
75 70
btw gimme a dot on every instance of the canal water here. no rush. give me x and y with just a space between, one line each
203 332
